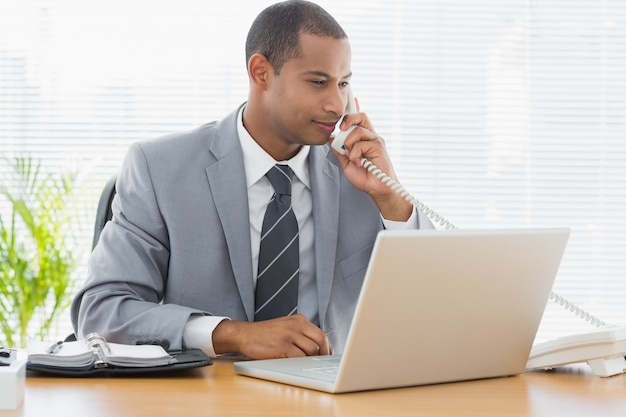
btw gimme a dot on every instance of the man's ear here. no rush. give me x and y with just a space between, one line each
259 70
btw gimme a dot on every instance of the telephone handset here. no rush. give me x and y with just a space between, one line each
338 145
341 135
604 349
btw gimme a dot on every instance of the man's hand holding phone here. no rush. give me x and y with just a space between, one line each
356 140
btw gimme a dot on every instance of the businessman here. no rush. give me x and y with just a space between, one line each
183 262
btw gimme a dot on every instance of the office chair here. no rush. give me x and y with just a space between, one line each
104 212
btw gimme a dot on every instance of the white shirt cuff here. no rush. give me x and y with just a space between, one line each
198 333
411 223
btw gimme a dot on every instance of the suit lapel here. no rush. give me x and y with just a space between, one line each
227 181
228 186
325 190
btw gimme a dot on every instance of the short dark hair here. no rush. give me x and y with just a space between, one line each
275 33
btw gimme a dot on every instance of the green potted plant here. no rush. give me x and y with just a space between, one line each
37 258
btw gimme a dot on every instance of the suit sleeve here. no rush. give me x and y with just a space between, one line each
122 296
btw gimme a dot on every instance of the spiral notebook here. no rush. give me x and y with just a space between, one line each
436 307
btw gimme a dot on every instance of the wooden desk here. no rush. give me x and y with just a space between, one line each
217 391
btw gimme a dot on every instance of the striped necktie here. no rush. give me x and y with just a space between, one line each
279 254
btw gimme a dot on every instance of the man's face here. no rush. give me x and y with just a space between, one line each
309 95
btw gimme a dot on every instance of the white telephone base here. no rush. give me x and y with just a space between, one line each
608 367
603 349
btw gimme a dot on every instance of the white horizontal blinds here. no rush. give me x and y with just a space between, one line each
497 113
93 78
512 114
578 108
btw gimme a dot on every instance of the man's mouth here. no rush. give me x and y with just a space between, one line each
327 127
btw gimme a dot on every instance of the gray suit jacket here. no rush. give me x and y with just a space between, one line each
179 241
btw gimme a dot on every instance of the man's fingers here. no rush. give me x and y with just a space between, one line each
279 338
319 338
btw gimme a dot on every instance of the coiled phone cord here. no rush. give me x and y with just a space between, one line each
568 305
433 215
387 180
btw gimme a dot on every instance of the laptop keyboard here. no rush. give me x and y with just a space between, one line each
329 365
328 370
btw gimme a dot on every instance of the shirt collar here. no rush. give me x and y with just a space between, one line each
258 162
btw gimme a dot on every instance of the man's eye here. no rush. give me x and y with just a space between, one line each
317 82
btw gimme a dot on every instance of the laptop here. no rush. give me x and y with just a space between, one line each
436 307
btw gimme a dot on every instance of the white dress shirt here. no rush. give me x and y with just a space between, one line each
199 329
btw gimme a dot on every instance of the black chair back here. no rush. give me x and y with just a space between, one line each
104 213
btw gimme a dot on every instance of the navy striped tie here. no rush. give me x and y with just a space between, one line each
279 253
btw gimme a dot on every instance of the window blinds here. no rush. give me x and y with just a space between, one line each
500 113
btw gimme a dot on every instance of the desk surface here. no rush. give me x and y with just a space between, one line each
217 391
